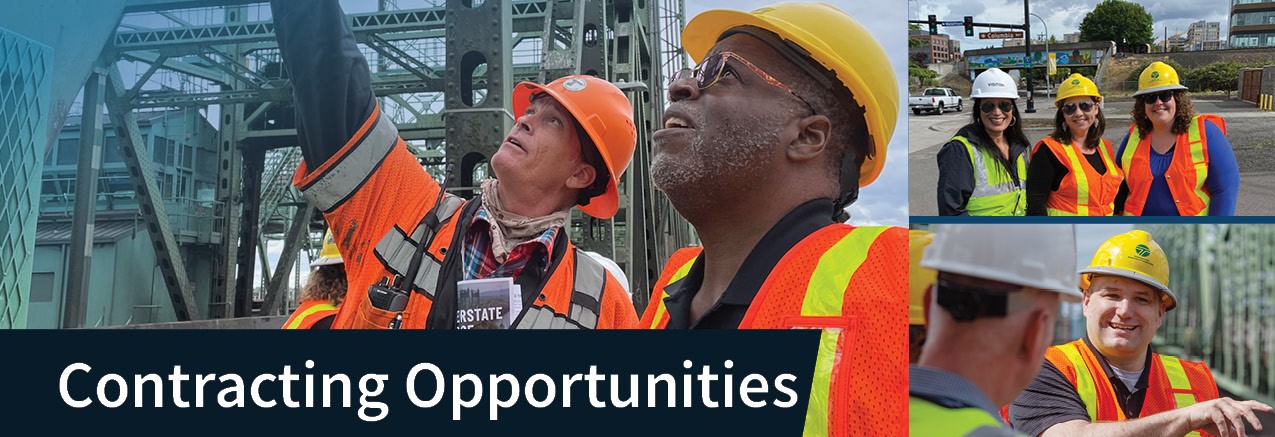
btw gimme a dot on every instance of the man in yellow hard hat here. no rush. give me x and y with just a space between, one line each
395 224
919 281
1110 382
764 144
993 313
324 290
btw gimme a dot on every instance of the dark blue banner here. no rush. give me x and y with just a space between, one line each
434 382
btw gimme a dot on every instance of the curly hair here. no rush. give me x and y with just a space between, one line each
326 283
1181 118
1092 139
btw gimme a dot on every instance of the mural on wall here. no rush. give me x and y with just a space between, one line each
1074 58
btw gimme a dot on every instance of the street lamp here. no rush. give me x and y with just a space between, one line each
1049 87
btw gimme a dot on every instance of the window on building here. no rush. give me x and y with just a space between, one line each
42 287
68 151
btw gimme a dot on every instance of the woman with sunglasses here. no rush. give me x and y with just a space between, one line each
1073 170
1176 162
981 171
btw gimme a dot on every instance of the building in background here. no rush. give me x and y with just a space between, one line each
1071 37
934 49
1204 35
1252 23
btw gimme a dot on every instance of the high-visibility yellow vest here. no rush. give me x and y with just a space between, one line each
995 190
928 419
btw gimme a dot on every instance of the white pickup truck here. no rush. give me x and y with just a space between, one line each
936 100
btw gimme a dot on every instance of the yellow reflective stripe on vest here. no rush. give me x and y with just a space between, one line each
1195 140
1082 182
995 192
679 274
1178 381
1084 380
296 321
926 418
825 296
825 292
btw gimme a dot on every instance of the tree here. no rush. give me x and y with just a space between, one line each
1119 21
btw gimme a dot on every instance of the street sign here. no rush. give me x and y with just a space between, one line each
1000 35
952 23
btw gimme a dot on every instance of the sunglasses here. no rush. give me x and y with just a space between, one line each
1071 107
1163 96
707 73
989 106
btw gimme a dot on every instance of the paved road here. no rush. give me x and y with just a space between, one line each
1248 129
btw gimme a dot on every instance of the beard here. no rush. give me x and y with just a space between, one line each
717 166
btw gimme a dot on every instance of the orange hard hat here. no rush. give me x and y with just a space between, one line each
605 114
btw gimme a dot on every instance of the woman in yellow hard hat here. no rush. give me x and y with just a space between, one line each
1073 170
982 169
1176 162
324 290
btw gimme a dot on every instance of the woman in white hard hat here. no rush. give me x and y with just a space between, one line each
1073 170
982 170
1176 162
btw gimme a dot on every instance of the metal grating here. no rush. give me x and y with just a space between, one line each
25 66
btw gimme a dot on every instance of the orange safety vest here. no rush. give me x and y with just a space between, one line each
1171 384
1186 174
1083 191
851 283
309 313
376 197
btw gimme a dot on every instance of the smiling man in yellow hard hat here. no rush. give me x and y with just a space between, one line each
1110 382
764 144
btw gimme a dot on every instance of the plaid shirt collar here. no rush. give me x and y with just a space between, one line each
480 261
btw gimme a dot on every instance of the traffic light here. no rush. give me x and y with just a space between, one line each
934 25
969 25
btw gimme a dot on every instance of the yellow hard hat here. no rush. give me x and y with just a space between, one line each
1076 85
837 42
919 278
1157 77
1132 255
329 254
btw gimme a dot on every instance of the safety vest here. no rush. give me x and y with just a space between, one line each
309 313
1171 384
851 283
379 201
1186 174
926 418
1083 191
995 190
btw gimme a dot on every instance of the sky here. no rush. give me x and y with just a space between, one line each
1063 16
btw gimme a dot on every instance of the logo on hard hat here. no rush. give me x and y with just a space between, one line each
574 84
1155 74
1142 250
1075 81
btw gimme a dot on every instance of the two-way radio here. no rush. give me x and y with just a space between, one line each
393 297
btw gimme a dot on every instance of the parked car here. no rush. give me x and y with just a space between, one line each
935 100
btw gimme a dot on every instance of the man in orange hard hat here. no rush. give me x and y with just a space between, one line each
407 244
764 144
324 290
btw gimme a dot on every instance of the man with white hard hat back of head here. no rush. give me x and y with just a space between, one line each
992 317
982 170
1110 382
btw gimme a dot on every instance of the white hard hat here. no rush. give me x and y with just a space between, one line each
1040 256
614 268
994 84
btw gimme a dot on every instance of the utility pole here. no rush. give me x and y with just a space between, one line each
1027 47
